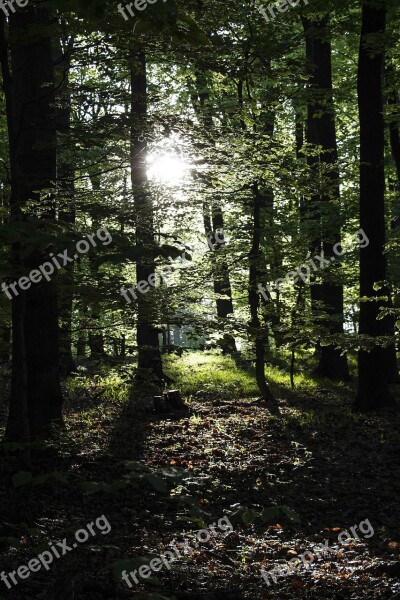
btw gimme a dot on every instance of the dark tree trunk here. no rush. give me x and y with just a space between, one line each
5 344
321 131
373 392
149 359
81 346
123 346
7 89
260 335
265 201
214 226
35 385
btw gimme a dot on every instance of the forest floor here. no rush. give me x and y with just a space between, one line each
286 483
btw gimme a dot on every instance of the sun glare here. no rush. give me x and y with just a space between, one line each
167 169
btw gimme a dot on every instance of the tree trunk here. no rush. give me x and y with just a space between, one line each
259 335
221 279
35 385
321 131
81 346
373 392
149 359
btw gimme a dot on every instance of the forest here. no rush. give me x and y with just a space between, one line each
199 299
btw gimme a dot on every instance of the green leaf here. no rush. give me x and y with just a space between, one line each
195 35
142 26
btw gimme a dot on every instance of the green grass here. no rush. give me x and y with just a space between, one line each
207 374
212 374
83 386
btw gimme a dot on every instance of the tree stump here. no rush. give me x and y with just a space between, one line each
174 400
169 402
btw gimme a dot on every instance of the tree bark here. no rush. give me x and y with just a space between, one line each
373 391
35 385
321 131
149 359
214 225
260 336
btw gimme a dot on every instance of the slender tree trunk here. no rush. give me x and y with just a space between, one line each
149 360
214 228
321 131
35 385
260 336
81 346
373 392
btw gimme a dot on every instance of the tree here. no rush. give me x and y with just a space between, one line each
149 358
373 391
258 333
325 203
36 397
